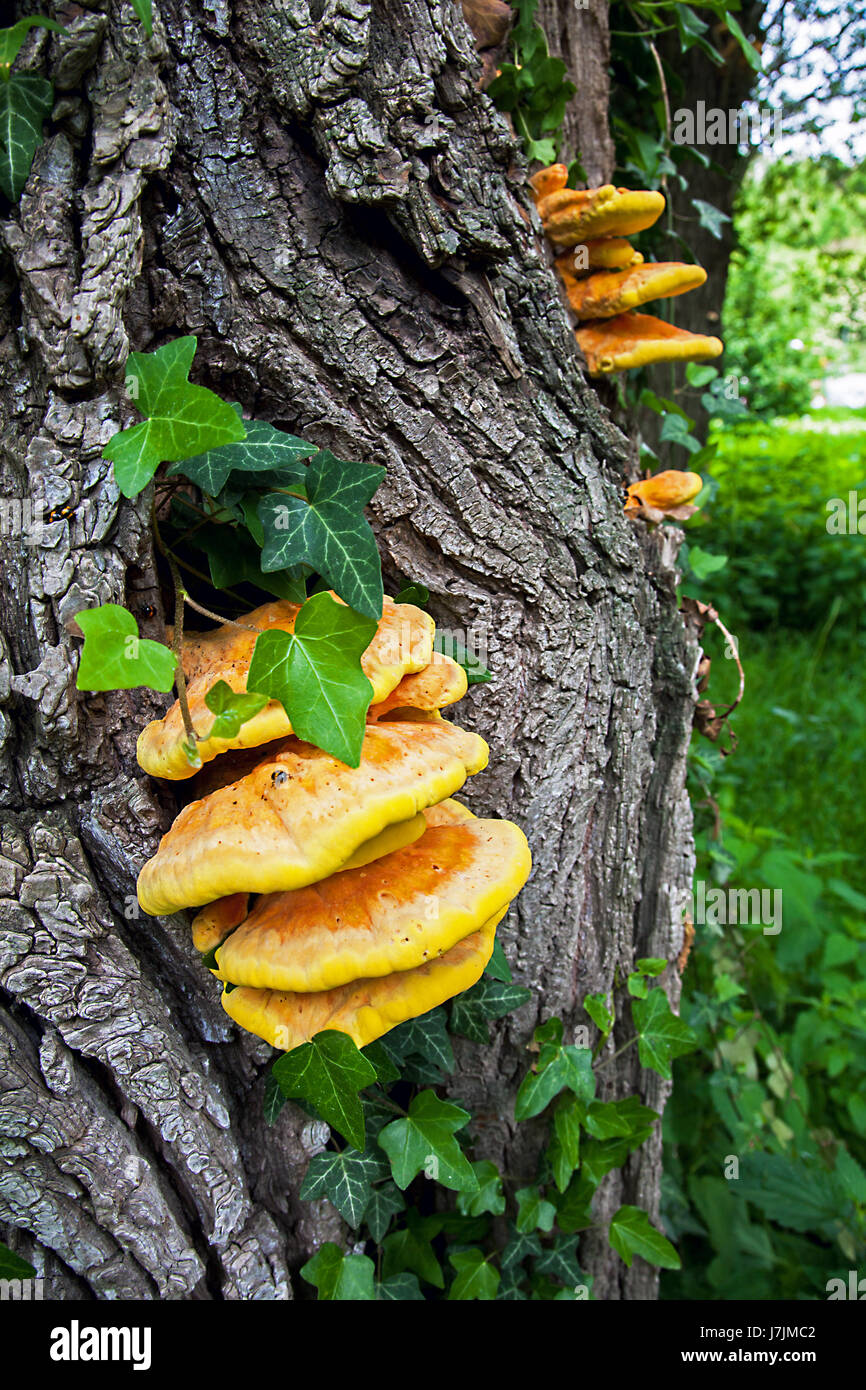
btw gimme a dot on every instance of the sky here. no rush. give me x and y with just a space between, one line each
841 135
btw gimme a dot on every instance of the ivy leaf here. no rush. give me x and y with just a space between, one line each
399 1288
558 1067
521 1245
25 102
425 1037
703 563
750 52
564 1149
384 1204
650 965
596 1006
661 1034
475 1278
410 1249
497 966
700 374
144 10
340 1277
231 709
346 1179
114 657
315 672
378 1054
273 1099
329 1072
12 39
418 594
560 1261
489 1196
712 218
630 1233
265 451
424 1142
637 980
180 419
12 1266
534 1213
489 999
476 672
234 557
328 530
600 1156
627 1118
512 1287
573 1206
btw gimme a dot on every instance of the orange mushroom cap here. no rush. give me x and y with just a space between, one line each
635 340
574 215
549 180
665 491
364 1009
301 813
611 292
393 914
442 682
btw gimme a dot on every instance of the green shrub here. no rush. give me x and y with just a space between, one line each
772 482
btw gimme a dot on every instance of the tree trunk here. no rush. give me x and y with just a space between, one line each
325 198
726 87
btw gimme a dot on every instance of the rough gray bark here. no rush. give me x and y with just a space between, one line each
328 201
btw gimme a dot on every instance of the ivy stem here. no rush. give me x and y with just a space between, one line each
616 1054
177 648
216 617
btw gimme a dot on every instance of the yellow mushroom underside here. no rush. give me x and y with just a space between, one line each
442 682
364 1009
300 814
609 293
605 253
394 914
635 340
402 644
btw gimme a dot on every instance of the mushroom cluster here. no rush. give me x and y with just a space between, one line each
606 279
329 896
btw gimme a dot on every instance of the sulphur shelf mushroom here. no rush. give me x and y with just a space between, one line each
574 215
665 494
402 645
213 923
397 912
608 293
605 253
364 1009
605 278
635 340
334 897
301 813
